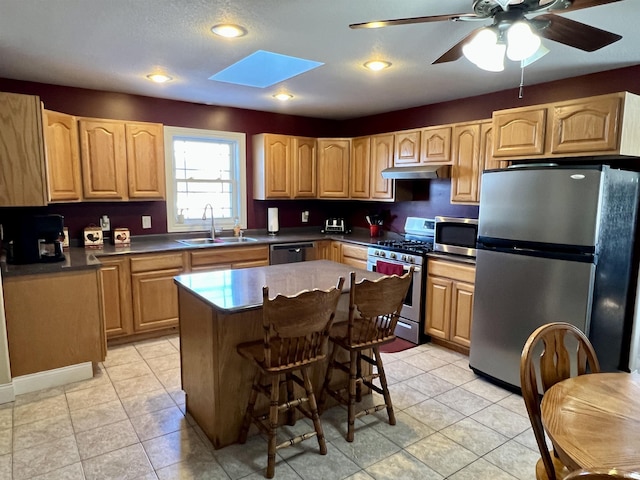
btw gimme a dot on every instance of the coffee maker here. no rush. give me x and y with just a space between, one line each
37 239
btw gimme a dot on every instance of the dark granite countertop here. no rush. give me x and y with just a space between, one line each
82 258
232 291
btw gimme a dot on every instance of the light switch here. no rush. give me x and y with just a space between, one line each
146 221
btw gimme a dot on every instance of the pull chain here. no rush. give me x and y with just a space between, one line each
521 90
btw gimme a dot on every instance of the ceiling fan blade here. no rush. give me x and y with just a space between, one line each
455 52
409 21
579 4
572 33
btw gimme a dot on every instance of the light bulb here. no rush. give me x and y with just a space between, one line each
485 51
229 30
522 42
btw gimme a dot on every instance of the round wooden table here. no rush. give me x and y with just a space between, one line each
594 420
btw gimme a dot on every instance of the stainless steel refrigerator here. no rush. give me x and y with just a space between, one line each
554 244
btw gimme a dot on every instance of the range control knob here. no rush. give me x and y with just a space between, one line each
410 259
382 254
393 255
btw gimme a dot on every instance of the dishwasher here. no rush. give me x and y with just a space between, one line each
291 252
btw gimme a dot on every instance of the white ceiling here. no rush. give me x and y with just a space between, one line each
112 45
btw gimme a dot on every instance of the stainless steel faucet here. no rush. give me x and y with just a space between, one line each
213 224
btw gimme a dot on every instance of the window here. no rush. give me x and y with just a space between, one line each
204 167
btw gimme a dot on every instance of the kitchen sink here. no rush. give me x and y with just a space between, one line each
218 240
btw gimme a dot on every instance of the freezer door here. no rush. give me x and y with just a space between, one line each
515 294
549 205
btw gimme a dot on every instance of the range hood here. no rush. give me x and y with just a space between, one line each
417 172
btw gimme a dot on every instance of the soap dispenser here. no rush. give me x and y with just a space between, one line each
236 227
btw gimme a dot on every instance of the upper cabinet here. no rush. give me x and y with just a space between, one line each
145 160
121 160
407 148
435 145
285 167
22 153
333 167
602 125
63 157
472 153
360 168
369 156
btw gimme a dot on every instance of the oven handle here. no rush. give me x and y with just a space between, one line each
371 266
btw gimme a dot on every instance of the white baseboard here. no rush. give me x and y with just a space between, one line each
6 393
52 378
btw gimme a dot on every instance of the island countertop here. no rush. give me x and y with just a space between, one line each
230 291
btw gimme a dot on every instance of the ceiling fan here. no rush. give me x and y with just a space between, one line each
493 40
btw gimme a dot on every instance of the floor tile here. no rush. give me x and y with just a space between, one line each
6 441
481 469
70 472
453 374
39 410
399 371
5 466
502 420
128 370
165 362
147 402
137 385
89 397
105 439
38 395
180 446
434 414
487 390
402 466
6 415
429 384
313 466
474 436
121 354
123 464
198 470
42 431
441 454
156 349
463 401
368 447
241 460
45 458
406 431
425 361
403 396
97 416
514 458
158 423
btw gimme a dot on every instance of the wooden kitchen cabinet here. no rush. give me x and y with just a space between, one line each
449 305
145 160
284 167
121 160
592 126
103 150
53 321
22 151
333 167
229 257
435 145
466 166
323 250
369 156
155 296
354 255
407 148
64 176
360 168
117 308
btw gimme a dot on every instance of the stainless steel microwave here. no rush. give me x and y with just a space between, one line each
456 235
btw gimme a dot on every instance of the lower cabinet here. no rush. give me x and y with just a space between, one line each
449 305
155 296
115 281
354 255
229 257
323 250
53 321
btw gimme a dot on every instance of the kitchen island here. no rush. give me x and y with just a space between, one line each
219 310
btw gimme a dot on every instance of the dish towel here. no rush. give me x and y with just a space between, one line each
387 268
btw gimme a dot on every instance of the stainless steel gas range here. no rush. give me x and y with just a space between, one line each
397 256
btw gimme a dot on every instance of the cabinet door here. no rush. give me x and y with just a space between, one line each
586 126
486 160
22 155
435 145
145 160
115 282
304 167
466 154
461 313
381 158
438 315
354 255
336 251
278 166
407 148
104 163
333 167
519 131
63 157
155 300
323 250
359 181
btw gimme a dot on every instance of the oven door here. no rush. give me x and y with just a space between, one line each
409 322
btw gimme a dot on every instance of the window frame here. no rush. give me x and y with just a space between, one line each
239 140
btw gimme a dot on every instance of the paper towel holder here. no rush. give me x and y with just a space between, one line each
272 221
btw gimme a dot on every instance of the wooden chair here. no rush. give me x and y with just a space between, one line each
296 330
374 307
554 364
602 474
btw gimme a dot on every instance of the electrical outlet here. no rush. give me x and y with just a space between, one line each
305 216
146 221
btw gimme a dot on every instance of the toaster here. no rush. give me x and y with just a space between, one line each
335 225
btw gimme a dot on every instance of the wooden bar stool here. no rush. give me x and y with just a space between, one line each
374 307
296 330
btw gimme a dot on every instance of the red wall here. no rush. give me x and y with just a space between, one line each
431 197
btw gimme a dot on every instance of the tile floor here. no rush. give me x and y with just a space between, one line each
129 422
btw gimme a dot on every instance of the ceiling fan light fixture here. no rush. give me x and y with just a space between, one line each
283 97
377 65
229 30
521 41
485 51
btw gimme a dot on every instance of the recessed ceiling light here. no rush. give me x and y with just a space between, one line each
229 30
159 77
376 65
283 97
